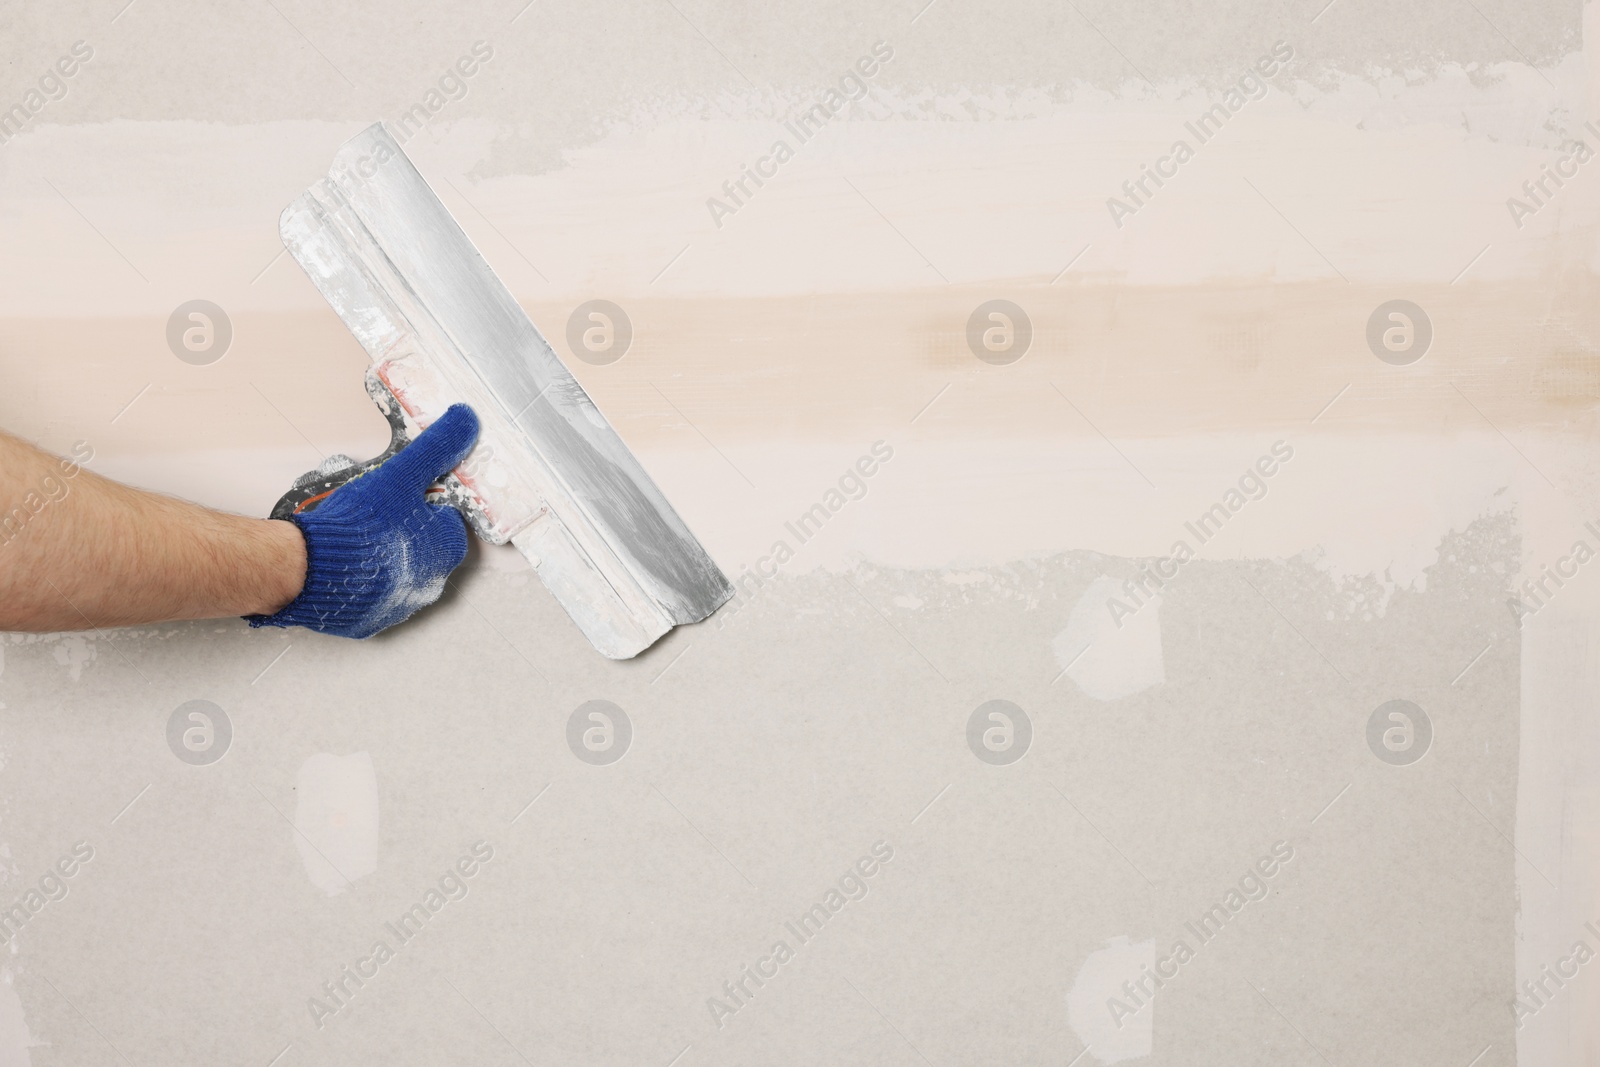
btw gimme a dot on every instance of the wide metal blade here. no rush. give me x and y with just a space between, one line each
549 471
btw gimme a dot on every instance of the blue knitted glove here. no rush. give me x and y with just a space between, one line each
376 550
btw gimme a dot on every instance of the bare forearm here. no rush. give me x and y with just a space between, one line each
79 551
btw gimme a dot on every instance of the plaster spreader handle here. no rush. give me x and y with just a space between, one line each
314 486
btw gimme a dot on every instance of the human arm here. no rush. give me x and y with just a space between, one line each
79 551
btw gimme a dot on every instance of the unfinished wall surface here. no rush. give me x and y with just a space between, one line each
1165 614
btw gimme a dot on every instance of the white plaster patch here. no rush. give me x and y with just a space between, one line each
15 1038
1368 564
1100 979
1109 662
337 819
72 652
910 603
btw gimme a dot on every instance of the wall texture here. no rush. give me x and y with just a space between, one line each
1170 691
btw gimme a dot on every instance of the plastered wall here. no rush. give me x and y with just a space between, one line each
1181 606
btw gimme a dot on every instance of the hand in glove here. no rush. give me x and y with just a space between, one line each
376 550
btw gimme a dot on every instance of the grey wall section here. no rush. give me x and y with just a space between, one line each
768 756
771 750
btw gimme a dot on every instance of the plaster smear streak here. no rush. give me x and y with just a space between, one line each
15 1037
1099 981
1188 381
1105 661
1196 358
336 819
982 200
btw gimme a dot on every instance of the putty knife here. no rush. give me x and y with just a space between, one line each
548 474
